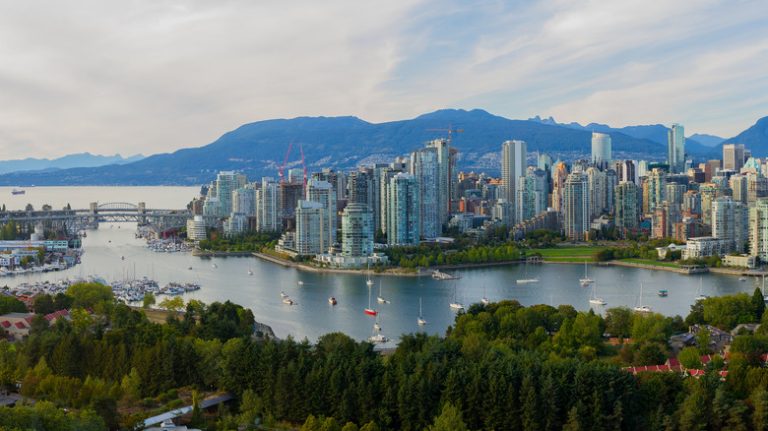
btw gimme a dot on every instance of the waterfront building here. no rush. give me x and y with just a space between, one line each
357 230
403 219
676 148
236 224
601 149
226 183
758 230
730 223
311 226
323 192
267 206
702 247
513 163
211 206
425 169
576 207
733 156
196 228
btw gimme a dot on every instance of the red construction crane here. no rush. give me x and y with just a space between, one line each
304 165
281 171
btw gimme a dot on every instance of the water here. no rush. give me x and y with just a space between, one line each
313 316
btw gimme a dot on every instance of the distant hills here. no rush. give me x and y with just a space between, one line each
258 149
85 160
755 138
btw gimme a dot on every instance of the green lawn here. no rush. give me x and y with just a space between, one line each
652 262
568 254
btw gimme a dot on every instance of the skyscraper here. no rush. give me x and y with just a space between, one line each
627 208
598 198
425 168
403 219
559 175
323 192
226 183
311 226
357 230
601 149
513 162
576 206
730 223
758 230
531 194
733 156
676 148
267 206
657 181
446 181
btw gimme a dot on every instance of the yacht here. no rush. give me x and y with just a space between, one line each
370 310
332 301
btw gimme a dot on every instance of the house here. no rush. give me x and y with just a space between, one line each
718 339
662 252
18 325
680 341
745 327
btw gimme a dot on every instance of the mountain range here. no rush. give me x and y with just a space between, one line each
259 149
69 161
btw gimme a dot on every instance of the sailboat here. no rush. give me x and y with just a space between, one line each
640 308
485 299
455 305
421 321
376 336
380 299
701 296
250 271
370 311
369 282
594 299
527 280
586 281
214 266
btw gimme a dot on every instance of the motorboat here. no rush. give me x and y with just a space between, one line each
663 293
332 301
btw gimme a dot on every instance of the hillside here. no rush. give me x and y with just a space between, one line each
755 138
259 148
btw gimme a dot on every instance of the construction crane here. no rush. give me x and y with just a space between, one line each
449 131
303 165
281 171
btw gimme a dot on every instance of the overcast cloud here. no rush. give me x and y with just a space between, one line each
154 76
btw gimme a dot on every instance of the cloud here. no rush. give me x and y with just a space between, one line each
154 76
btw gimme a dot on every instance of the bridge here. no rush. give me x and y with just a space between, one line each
75 220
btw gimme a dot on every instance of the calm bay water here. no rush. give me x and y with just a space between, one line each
313 316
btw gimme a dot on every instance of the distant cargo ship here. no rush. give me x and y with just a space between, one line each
18 191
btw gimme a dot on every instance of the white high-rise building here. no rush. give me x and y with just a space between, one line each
268 206
513 162
311 226
601 148
758 230
576 206
244 201
357 230
531 194
323 192
226 183
598 192
730 223
676 148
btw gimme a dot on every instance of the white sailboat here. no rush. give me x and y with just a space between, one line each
421 321
376 336
455 305
380 299
700 294
640 308
586 281
594 299
369 282
527 280
485 299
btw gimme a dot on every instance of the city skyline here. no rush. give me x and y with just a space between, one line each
153 77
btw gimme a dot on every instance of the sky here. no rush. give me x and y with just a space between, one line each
151 76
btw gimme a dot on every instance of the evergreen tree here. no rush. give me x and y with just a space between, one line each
573 423
449 420
758 302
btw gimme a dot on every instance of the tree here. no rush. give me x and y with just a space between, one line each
172 304
9 304
311 424
449 420
758 302
349 426
618 321
43 304
689 357
149 300
370 426
89 295
573 423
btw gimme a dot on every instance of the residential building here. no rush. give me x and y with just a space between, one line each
403 219
531 194
576 206
627 208
702 247
196 228
323 192
426 170
730 223
676 148
513 163
758 230
733 156
357 230
311 226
